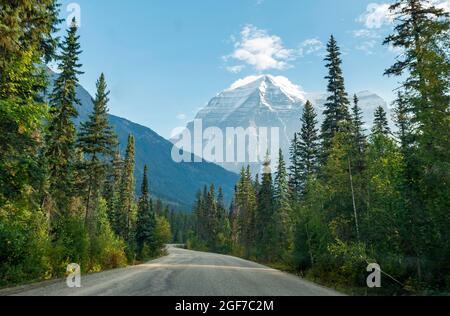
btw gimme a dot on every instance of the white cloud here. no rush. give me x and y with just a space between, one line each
310 46
367 47
181 117
365 33
259 49
442 4
235 69
376 16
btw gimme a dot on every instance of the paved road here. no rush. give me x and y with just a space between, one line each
186 273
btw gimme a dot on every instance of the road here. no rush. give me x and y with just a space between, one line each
184 273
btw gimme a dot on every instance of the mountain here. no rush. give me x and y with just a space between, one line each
268 101
174 183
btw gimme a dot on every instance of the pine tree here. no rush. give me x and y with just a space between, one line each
294 169
283 217
26 38
221 209
146 221
125 210
402 117
234 220
61 139
27 27
308 146
381 124
245 200
336 108
358 134
422 32
281 187
97 140
211 217
112 188
264 214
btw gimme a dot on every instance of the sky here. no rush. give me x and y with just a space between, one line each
165 59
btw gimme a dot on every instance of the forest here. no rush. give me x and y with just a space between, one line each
66 195
350 197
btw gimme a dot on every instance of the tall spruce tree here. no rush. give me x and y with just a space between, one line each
112 187
125 209
146 221
381 124
283 214
421 31
402 117
61 139
295 169
359 141
246 210
264 214
336 111
308 146
96 139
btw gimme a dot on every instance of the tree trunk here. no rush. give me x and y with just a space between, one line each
353 199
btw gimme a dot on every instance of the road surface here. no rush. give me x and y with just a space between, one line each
184 273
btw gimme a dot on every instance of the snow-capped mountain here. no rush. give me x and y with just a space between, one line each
257 101
268 101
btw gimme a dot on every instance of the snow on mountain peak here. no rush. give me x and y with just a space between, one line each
263 82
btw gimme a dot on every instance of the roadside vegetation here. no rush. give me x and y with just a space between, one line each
66 195
352 197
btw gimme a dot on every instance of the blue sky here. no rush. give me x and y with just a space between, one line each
164 59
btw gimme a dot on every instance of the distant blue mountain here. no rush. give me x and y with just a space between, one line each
174 183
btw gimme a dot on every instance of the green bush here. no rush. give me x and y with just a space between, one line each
24 245
107 250
71 245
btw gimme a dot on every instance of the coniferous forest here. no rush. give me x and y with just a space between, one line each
347 197
65 195
352 197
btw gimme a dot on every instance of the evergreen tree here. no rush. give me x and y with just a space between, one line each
27 27
125 210
264 214
336 108
112 189
402 118
281 187
282 219
61 139
422 32
308 146
358 133
97 140
26 39
245 200
381 124
212 224
146 221
234 220
295 169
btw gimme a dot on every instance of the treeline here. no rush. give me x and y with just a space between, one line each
351 197
66 196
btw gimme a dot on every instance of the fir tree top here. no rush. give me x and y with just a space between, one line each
381 124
